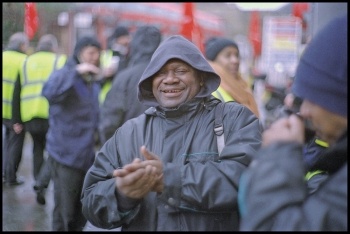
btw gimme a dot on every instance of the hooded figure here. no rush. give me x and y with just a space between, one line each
171 176
124 88
73 118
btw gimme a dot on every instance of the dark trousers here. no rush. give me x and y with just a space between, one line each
44 176
68 184
12 152
39 141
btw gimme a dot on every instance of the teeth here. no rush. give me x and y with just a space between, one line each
171 91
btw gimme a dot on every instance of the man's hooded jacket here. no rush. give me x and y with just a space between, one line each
200 186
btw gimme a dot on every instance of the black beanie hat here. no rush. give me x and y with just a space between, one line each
84 42
322 73
214 45
120 31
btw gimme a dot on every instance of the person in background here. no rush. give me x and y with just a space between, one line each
223 56
12 60
313 148
115 58
121 102
72 93
35 107
273 194
162 170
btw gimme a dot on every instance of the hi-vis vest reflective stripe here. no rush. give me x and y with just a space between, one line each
221 94
106 59
11 64
35 72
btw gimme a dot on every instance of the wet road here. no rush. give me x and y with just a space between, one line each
20 210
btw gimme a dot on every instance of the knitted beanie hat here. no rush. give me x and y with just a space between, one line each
120 31
214 45
322 73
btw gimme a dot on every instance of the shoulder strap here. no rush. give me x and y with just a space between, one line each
219 127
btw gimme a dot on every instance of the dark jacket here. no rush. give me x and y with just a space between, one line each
274 195
73 114
121 102
200 187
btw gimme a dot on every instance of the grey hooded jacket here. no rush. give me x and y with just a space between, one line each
200 187
121 102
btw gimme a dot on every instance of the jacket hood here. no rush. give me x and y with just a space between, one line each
180 48
143 44
84 42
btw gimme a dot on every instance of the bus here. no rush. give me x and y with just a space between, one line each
101 19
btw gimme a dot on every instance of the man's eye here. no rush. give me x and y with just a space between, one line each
180 72
161 73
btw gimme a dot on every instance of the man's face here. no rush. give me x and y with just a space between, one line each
175 83
90 54
328 126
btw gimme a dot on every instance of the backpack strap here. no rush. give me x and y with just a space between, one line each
219 127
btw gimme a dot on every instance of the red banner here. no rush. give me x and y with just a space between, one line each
190 29
31 19
254 33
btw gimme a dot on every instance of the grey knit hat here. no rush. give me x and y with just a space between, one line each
214 45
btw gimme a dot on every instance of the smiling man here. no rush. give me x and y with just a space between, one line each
170 175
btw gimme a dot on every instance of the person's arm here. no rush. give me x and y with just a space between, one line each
16 107
102 204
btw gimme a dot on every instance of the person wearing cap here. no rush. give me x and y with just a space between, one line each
273 194
72 93
162 170
114 58
35 107
223 56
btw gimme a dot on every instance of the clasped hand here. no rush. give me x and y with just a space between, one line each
138 178
290 129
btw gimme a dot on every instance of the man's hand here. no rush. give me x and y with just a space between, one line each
18 128
138 178
87 68
286 129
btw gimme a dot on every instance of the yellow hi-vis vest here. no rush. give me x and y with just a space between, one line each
36 70
106 59
221 94
11 64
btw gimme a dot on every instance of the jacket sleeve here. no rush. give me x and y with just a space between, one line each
16 100
60 82
274 196
113 109
99 197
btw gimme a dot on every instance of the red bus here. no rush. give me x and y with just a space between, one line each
102 18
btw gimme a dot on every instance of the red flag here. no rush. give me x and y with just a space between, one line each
299 9
190 29
31 20
254 33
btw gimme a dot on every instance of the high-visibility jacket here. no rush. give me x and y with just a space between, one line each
106 60
221 94
35 72
11 64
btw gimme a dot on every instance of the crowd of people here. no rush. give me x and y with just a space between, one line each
128 135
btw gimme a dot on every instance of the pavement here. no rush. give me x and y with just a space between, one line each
20 210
